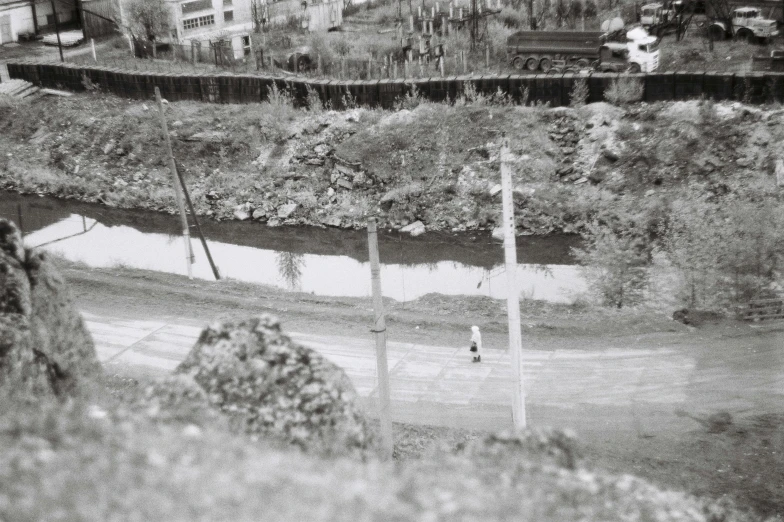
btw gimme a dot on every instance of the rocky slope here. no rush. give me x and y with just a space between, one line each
431 163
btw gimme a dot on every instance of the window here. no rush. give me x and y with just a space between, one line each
199 21
227 3
198 5
228 16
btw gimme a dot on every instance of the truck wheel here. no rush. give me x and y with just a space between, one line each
744 35
532 64
545 64
518 63
633 68
717 33
582 63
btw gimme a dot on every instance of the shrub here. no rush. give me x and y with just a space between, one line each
615 258
579 95
314 100
726 253
624 91
409 101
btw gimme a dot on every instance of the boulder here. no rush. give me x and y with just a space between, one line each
417 228
284 211
44 345
495 190
780 173
538 445
275 387
242 212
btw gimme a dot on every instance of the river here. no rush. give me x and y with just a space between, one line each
322 261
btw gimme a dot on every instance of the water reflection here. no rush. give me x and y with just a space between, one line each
324 262
290 267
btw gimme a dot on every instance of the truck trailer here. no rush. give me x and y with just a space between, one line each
541 50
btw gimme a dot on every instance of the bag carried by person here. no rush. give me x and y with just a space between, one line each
473 348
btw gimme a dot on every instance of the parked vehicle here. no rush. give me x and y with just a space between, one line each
773 62
745 23
541 50
663 18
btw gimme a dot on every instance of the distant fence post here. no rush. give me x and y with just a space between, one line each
92 46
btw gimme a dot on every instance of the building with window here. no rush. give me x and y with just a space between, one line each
26 17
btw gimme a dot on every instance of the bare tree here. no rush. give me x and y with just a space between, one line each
148 20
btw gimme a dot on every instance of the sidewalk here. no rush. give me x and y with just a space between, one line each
440 384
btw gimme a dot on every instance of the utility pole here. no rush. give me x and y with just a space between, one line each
380 331
186 237
513 295
57 30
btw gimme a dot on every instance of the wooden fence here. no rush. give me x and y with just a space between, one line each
753 87
760 309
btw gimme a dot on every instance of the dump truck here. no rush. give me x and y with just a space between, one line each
745 23
542 50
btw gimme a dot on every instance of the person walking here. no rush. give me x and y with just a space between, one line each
476 344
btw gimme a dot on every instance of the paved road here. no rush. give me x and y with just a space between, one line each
621 388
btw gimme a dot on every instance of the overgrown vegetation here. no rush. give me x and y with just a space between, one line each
141 452
624 91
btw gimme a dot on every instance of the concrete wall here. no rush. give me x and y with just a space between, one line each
553 89
21 18
65 13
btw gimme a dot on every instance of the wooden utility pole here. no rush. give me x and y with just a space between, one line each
380 331
513 295
57 30
186 237
215 271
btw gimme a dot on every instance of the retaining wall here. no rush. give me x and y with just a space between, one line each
752 87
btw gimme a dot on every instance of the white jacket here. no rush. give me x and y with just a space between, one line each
476 337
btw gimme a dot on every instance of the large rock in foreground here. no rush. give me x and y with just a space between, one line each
253 371
44 345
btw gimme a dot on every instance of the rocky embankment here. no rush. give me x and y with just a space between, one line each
429 167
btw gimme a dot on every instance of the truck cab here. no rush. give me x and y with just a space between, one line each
652 15
634 56
640 53
746 23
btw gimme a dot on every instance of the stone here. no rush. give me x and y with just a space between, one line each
258 214
346 184
45 348
284 211
242 212
273 222
209 137
498 233
334 176
108 147
177 123
780 173
714 161
540 446
275 387
581 180
330 192
332 221
495 190
565 170
322 149
568 150
316 162
610 155
360 178
743 162
597 176
417 228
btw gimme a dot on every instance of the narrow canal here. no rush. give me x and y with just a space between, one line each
307 259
